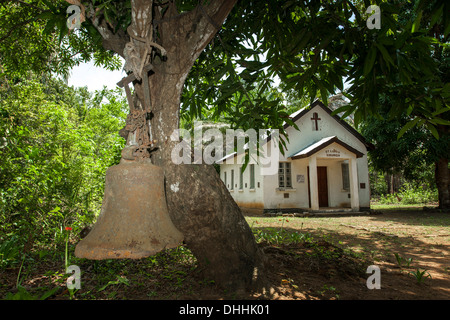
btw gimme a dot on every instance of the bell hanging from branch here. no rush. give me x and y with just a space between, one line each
134 221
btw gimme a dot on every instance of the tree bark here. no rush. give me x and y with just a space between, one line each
199 204
442 176
442 173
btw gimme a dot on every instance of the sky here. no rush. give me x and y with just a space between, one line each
86 74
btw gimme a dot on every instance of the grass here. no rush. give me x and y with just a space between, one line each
391 206
420 275
41 277
172 274
377 236
401 261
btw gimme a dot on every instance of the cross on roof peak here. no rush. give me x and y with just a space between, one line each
316 121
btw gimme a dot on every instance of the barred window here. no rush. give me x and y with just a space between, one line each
284 175
232 180
225 178
345 176
241 179
252 176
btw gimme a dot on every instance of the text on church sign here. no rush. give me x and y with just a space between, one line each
333 153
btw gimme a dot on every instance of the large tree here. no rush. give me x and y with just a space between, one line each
210 54
412 154
401 146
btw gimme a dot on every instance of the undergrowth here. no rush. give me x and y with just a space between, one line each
410 194
39 273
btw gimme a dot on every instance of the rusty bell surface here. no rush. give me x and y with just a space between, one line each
134 221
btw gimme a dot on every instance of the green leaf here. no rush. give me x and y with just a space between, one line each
341 109
436 15
440 121
251 65
408 126
50 5
56 209
447 28
385 54
63 29
49 293
370 60
46 15
433 130
49 27
120 280
416 24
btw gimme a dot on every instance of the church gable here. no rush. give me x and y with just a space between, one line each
318 117
316 123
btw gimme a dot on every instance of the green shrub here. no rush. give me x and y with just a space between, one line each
280 236
56 143
410 194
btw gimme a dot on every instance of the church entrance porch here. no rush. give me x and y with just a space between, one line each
332 184
332 174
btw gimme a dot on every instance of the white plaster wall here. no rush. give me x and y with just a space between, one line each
266 194
363 176
298 140
328 127
245 197
298 195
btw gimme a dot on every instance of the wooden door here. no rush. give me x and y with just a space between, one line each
322 182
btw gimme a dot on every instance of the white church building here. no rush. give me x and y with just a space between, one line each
324 167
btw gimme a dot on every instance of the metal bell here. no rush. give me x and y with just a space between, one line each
134 221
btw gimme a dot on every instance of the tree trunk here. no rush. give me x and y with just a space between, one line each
389 185
442 171
199 204
442 177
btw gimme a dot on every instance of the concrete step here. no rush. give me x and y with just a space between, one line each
324 213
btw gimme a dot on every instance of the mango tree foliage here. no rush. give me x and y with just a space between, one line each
416 152
316 47
320 48
34 37
222 55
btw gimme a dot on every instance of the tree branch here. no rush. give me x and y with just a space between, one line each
111 41
210 20
193 29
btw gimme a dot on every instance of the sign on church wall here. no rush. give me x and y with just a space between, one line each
333 153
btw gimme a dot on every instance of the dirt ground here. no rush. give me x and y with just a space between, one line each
320 270
423 237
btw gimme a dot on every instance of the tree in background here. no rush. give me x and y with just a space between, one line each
209 53
412 157
405 141
56 144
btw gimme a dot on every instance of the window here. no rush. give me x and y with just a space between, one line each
225 178
345 176
232 180
284 175
252 176
241 179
